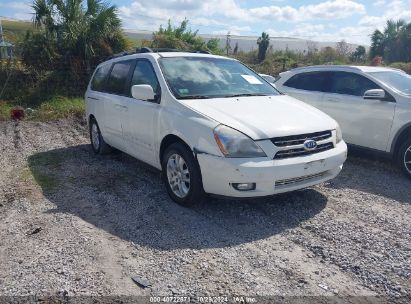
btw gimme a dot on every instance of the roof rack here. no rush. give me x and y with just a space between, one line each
155 50
164 50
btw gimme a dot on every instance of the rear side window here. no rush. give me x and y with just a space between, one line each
100 76
350 84
117 80
144 74
312 81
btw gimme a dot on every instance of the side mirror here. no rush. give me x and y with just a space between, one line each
142 92
374 94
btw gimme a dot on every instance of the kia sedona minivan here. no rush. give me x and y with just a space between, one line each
211 125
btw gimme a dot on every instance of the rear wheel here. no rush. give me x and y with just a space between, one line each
182 176
404 157
98 144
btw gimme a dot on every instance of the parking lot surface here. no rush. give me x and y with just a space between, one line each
73 223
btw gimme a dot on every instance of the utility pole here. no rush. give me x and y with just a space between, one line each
1 32
228 43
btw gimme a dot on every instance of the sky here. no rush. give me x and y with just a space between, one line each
330 20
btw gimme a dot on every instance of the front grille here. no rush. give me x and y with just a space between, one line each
295 180
294 140
295 152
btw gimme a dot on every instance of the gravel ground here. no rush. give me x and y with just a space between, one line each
72 223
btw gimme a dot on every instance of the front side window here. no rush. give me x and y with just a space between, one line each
350 84
118 77
311 81
395 79
100 76
144 74
205 77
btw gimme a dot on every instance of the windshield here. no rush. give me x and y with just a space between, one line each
397 80
205 77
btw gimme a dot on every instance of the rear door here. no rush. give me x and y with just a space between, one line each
140 123
363 122
115 107
308 87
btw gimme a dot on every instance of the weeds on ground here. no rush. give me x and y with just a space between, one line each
4 110
42 168
55 108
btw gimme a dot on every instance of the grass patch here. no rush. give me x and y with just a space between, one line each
52 109
26 176
43 169
4 110
52 160
14 30
17 25
57 108
47 182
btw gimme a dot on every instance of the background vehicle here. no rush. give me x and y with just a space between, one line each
268 78
371 104
211 125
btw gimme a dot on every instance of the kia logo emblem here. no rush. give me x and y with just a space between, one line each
310 145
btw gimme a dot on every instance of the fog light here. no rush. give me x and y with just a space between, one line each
243 186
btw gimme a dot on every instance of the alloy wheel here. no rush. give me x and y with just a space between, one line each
407 159
178 175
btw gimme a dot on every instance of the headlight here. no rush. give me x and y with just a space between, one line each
233 143
338 134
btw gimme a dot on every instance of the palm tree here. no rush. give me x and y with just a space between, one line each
263 43
377 44
404 38
392 50
82 30
394 43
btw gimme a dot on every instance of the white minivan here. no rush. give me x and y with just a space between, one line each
211 124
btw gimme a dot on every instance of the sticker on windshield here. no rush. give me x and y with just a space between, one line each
251 79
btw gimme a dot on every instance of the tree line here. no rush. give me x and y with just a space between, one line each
70 38
393 44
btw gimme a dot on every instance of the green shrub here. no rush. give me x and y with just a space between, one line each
405 66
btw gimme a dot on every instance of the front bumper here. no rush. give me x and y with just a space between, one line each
271 176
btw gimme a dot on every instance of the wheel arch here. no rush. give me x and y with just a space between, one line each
91 117
401 135
169 140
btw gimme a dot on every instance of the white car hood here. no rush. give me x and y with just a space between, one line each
262 117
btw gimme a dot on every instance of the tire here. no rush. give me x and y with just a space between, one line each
175 175
404 157
98 144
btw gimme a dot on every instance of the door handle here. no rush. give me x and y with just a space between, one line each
333 99
118 106
93 98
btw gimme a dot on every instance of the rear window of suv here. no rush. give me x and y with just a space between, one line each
310 81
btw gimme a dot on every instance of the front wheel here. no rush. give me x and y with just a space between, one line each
404 157
182 176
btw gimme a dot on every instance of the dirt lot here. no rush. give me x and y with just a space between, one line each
72 223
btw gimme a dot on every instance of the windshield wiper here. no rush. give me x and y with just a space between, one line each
195 97
246 95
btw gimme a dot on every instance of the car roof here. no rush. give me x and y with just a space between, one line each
156 55
364 69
